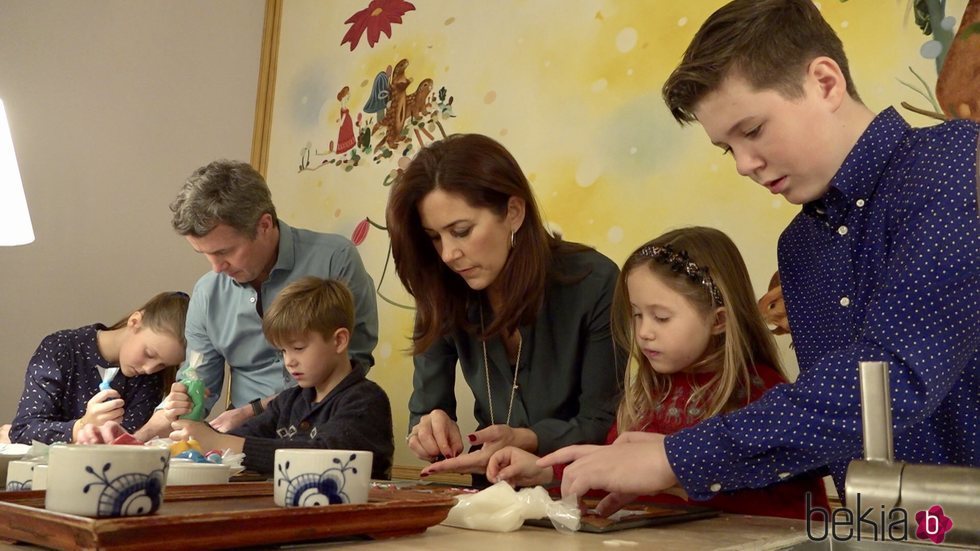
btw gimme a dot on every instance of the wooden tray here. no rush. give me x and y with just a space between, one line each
221 516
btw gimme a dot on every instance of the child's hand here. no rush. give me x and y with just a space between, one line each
103 434
206 436
177 403
232 418
105 406
625 469
198 430
638 436
517 467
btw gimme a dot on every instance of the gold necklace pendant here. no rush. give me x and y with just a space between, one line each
486 371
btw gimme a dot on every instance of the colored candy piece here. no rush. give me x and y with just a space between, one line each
126 439
213 456
193 455
179 447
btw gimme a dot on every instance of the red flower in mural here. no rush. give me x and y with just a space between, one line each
360 231
377 18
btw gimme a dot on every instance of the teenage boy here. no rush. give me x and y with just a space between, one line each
882 263
333 405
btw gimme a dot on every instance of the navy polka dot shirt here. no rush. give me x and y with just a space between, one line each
885 266
63 376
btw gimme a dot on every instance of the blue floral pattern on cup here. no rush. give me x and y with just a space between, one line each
129 493
312 489
20 485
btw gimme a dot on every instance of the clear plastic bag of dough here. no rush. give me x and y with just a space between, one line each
500 508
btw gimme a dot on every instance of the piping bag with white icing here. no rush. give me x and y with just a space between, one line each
500 508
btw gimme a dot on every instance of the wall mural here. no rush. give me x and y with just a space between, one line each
572 88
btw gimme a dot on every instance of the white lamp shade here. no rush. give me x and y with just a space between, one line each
15 221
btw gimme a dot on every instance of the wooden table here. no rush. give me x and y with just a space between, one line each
727 532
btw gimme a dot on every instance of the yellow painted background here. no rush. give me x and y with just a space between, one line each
572 89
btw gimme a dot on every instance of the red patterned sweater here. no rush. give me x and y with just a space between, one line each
785 499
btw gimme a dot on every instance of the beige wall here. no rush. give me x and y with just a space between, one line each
112 104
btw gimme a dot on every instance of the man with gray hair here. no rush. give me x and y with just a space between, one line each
225 212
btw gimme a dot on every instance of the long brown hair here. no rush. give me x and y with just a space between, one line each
485 175
165 314
745 342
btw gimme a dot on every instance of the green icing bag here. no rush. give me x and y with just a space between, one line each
195 388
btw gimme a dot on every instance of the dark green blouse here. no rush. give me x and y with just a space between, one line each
569 379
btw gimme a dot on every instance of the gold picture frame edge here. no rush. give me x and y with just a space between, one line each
265 93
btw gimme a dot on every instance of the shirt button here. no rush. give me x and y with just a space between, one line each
305 425
252 300
859 202
845 301
842 230
715 487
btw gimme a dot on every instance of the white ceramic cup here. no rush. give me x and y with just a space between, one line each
40 477
101 480
310 478
8 453
20 476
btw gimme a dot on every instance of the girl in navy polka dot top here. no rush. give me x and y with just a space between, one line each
685 308
61 388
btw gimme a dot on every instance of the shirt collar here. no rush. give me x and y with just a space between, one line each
286 258
858 177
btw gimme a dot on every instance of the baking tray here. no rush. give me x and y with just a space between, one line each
221 516
635 515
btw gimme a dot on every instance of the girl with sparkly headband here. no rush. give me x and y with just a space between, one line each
524 313
67 385
685 308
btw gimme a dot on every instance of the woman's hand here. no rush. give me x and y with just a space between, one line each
518 468
493 438
177 403
436 434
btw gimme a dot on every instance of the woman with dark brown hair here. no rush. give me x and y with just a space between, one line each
524 313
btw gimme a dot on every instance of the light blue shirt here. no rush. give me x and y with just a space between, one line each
224 325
